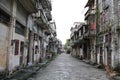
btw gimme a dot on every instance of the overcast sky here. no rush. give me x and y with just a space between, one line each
65 13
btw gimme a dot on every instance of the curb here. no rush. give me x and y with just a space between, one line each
27 72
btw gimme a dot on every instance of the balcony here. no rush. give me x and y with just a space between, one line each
86 34
75 42
29 5
90 3
81 39
92 33
41 19
46 4
47 32
72 44
48 15
89 13
52 39
71 35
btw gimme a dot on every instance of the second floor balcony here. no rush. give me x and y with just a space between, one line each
86 34
89 13
81 38
47 32
76 41
41 20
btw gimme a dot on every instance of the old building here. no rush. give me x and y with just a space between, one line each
40 31
80 41
25 30
103 19
107 37
14 26
74 38
52 45
90 19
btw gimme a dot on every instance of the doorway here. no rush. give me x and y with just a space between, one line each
101 55
21 53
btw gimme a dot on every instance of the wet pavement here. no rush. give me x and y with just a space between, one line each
65 67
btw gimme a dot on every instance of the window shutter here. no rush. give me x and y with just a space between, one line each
16 47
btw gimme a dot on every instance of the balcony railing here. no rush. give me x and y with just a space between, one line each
72 44
86 34
46 4
89 12
41 19
48 15
47 31
81 38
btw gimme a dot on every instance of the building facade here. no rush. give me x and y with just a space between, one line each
25 28
100 41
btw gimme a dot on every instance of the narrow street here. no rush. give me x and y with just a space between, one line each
65 67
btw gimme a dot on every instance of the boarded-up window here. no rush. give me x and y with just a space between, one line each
16 47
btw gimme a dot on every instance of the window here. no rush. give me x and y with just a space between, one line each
20 29
4 17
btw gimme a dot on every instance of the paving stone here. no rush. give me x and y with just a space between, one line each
65 67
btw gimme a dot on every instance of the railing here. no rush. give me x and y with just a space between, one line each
48 15
43 16
81 38
86 34
46 4
41 19
89 12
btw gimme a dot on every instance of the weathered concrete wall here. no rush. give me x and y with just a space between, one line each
18 14
21 14
3 45
15 59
